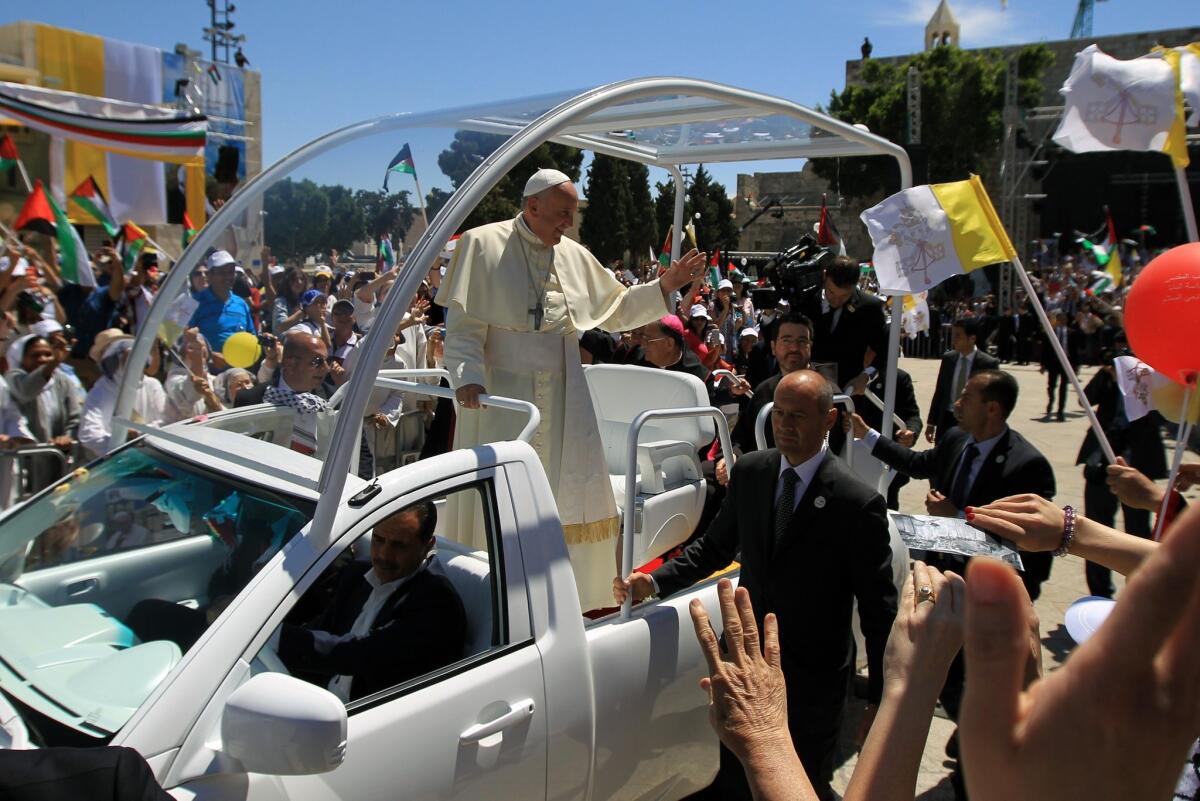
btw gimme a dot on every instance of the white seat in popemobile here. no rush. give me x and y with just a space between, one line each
670 490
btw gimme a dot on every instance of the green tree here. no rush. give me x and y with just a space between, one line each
962 96
470 148
385 213
714 227
345 223
297 218
664 210
643 225
434 200
606 220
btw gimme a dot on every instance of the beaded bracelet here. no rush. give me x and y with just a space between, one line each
1068 531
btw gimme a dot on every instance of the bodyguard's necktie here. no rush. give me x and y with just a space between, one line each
960 378
786 504
962 484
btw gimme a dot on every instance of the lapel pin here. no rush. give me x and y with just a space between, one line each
1000 459
819 502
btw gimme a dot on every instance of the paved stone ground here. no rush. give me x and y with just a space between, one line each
1059 442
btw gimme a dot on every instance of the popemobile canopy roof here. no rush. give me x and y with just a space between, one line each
724 124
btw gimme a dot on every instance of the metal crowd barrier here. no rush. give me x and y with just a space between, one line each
23 457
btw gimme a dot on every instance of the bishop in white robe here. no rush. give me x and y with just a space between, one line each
517 294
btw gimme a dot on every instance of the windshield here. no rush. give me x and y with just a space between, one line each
110 576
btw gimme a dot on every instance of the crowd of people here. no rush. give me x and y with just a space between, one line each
66 347
522 320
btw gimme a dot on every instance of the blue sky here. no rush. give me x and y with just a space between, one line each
328 64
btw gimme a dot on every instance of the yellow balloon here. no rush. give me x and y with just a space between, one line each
1168 399
241 349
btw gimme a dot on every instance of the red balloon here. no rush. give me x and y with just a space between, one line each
1162 313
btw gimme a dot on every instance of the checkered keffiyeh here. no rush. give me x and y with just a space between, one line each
302 402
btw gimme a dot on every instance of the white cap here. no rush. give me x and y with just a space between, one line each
699 310
220 258
543 179
276 269
44 328
750 331
725 284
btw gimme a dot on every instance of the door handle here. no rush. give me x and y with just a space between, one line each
522 710
83 587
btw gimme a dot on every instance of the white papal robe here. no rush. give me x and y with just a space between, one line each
498 274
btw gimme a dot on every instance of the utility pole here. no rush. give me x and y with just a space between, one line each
914 106
1012 205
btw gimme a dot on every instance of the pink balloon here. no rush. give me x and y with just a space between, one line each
1162 313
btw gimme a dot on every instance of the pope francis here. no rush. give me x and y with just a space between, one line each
517 293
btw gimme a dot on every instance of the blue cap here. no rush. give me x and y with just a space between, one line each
310 297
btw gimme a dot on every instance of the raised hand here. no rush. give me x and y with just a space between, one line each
688 268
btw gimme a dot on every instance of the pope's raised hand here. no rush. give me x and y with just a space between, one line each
682 272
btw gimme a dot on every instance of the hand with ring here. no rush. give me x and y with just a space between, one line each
928 631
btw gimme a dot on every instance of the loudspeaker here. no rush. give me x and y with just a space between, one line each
226 171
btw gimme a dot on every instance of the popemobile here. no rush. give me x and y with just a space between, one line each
240 536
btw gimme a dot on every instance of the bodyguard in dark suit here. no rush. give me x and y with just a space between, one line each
959 363
979 461
390 620
813 539
849 329
1138 442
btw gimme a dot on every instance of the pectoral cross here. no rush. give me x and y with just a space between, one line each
538 313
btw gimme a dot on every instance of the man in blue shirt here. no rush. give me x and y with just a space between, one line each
221 313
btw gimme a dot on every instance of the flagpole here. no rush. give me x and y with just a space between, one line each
1182 435
1062 359
25 176
1185 197
421 198
160 249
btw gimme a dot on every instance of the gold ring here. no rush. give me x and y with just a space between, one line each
925 593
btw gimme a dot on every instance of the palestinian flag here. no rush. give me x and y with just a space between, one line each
401 162
89 198
133 242
73 261
664 255
189 229
387 255
214 73
1108 254
714 269
37 214
827 232
8 153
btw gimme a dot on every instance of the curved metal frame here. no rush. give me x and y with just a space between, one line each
344 444
760 424
631 453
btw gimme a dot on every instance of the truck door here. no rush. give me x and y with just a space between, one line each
472 728
651 715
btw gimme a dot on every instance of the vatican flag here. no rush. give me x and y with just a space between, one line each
926 234
1189 79
1112 104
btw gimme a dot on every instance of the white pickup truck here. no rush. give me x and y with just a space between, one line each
139 598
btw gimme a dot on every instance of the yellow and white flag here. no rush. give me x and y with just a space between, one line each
1189 80
926 234
1111 104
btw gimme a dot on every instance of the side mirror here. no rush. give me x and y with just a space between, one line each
280 725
